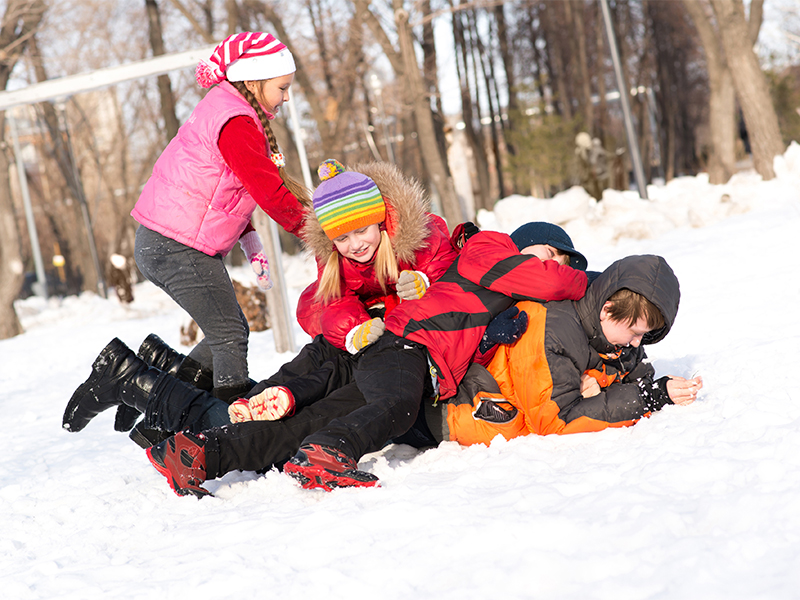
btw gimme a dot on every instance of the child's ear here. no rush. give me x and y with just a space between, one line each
251 86
605 310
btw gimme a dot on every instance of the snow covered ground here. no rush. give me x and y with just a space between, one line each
695 502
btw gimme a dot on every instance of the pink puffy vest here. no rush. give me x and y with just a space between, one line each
192 196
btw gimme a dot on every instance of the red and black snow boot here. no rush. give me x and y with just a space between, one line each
316 466
182 460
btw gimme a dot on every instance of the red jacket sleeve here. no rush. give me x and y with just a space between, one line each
244 149
491 260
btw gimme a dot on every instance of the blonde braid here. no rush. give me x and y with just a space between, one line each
300 192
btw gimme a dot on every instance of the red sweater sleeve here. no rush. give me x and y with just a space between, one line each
244 149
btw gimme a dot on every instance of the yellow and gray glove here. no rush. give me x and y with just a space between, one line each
365 334
411 285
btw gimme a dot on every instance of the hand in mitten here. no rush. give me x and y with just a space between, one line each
411 285
365 334
239 411
254 251
462 233
272 404
505 328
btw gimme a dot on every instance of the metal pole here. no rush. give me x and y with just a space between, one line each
41 286
277 297
624 92
101 282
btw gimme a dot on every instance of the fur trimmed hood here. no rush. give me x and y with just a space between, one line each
407 219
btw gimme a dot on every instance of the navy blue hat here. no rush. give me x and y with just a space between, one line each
539 232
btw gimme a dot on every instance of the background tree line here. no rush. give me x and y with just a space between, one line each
529 75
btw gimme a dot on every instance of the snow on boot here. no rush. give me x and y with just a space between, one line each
325 467
114 367
272 404
182 460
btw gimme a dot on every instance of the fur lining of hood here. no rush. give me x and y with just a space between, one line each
648 275
407 206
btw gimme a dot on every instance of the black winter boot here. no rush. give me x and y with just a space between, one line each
156 352
118 377
193 373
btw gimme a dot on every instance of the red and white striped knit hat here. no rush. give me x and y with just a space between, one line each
245 57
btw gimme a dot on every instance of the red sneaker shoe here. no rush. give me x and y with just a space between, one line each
182 460
324 467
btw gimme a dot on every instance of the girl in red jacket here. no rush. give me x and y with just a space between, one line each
375 246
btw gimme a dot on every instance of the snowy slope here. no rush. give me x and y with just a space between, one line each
695 502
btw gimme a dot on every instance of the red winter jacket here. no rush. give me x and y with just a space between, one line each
488 276
420 241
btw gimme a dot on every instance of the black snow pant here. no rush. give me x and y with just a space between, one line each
260 445
392 375
317 370
174 405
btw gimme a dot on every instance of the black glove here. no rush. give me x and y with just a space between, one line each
505 328
462 233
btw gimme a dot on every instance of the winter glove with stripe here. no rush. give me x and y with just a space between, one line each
254 251
365 334
411 285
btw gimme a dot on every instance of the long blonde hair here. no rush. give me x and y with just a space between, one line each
386 271
300 192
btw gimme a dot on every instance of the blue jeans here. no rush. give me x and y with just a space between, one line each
200 284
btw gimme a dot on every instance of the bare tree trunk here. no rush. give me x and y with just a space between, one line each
11 269
430 75
722 99
555 64
506 56
601 79
751 86
171 123
435 163
578 15
19 22
472 122
495 108
80 253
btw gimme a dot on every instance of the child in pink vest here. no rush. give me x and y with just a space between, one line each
222 164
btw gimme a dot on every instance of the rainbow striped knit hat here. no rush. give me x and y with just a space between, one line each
346 200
